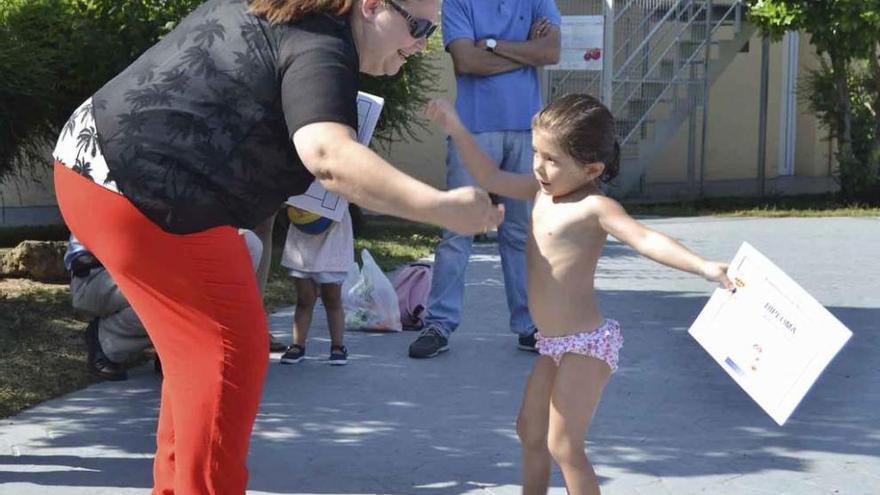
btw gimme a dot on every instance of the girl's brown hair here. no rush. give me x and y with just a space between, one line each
584 128
282 11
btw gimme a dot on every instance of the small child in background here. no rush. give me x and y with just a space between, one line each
574 149
318 263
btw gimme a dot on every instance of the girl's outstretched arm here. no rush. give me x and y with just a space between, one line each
481 167
654 245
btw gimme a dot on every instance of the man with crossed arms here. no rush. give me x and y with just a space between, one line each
496 48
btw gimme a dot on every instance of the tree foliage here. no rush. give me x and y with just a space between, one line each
845 27
405 94
56 53
845 91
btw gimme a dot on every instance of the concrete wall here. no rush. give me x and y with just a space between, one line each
733 124
29 198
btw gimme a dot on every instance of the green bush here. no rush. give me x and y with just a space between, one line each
56 53
857 174
406 94
846 34
30 55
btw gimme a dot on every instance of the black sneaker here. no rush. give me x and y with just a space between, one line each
430 343
338 355
527 342
276 345
293 354
96 361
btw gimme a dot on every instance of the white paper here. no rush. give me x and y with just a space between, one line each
582 43
318 200
771 336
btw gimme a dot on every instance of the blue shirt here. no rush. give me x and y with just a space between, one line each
503 102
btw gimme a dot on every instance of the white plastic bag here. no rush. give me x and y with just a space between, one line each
369 299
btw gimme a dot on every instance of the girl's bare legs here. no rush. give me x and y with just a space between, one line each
532 425
331 295
306 295
576 393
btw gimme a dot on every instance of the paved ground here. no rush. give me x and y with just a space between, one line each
671 422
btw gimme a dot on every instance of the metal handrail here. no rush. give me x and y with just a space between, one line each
638 28
734 7
649 37
619 13
660 58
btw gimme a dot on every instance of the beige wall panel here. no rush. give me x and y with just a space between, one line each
426 160
733 127
733 124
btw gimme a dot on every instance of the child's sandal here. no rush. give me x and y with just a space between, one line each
338 355
294 354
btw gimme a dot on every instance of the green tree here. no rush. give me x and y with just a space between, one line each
55 53
847 32
405 94
818 91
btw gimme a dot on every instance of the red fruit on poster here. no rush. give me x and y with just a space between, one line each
593 54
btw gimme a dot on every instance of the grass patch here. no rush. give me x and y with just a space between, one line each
42 352
393 242
825 205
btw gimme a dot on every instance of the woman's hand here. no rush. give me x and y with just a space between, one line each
468 211
717 272
442 113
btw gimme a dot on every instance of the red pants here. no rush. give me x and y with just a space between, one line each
198 299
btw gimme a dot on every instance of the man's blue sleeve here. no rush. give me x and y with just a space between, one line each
548 9
456 21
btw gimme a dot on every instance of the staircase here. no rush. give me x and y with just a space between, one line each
667 54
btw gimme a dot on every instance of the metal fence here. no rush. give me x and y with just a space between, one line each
658 71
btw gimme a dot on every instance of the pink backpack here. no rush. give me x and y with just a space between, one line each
412 286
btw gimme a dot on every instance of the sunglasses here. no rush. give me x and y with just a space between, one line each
418 27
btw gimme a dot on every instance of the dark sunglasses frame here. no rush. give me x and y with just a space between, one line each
418 27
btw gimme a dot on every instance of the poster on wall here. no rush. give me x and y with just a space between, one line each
582 43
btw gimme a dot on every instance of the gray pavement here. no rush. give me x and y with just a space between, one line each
671 421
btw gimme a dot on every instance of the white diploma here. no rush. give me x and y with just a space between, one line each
318 200
770 336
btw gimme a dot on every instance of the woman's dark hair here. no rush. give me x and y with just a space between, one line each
584 128
281 11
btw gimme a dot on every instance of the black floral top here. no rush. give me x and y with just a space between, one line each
197 131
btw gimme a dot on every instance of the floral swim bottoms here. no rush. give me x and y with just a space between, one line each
602 343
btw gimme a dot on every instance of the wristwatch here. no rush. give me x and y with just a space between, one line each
491 44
